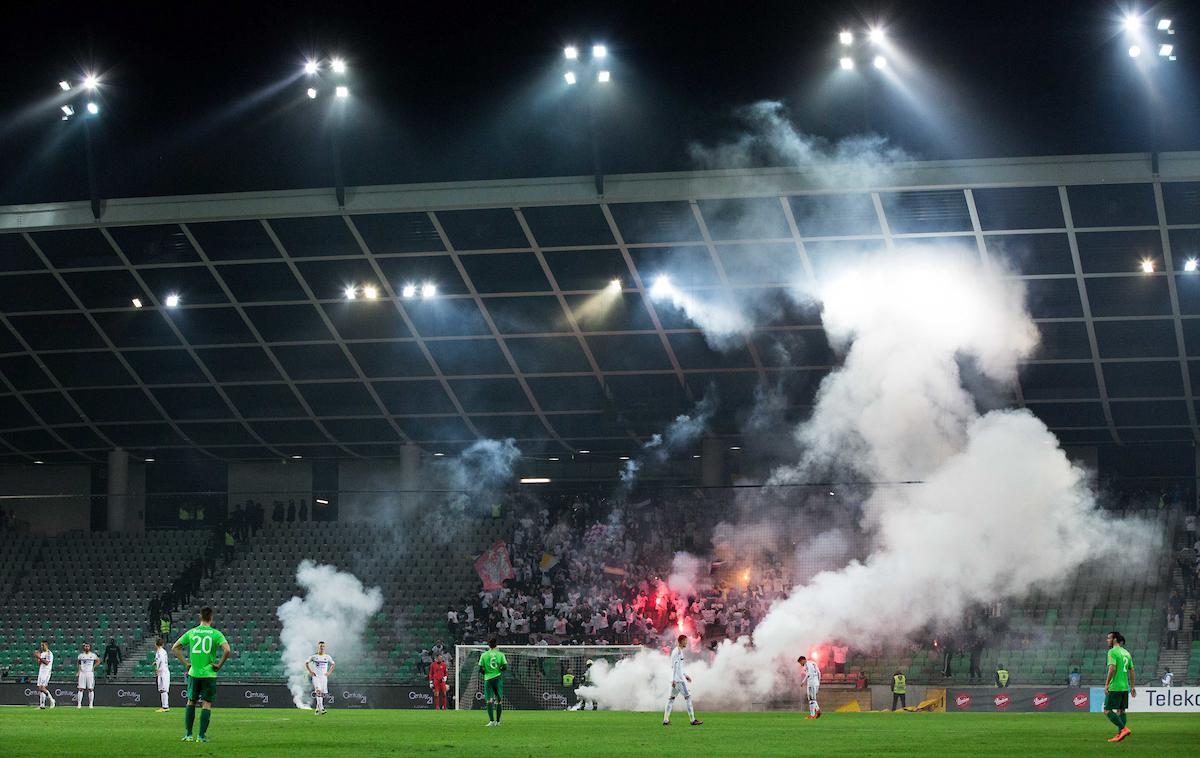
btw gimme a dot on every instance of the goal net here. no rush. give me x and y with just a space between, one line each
537 676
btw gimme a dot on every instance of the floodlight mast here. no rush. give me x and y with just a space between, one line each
599 77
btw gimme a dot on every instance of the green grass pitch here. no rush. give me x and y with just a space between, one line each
123 732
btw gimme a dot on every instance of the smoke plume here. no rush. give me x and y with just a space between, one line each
479 473
993 509
335 609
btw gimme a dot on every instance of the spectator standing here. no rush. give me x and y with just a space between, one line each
112 658
452 621
1172 642
291 511
277 512
1168 678
303 512
1074 678
976 651
152 614
1002 676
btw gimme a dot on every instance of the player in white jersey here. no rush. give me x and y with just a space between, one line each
162 675
319 667
811 675
45 661
86 673
679 684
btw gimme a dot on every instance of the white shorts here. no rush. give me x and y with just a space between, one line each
164 681
812 690
43 679
320 683
87 680
680 688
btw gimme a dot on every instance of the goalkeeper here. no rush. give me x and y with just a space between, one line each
491 665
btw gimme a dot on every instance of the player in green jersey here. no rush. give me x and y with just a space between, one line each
201 642
491 665
1119 686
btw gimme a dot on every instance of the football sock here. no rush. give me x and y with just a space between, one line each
205 717
812 707
165 702
499 708
491 712
1124 719
667 710
41 698
691 710
320 703
189 718
91 697
79 699
1114 718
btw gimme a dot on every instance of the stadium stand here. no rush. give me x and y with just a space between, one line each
84 587
92 587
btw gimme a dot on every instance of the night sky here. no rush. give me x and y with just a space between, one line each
193 97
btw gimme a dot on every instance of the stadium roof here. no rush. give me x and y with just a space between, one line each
266 358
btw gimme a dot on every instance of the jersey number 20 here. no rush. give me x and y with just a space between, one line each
202 644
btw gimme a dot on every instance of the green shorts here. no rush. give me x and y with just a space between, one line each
1116 700
202 688
493 688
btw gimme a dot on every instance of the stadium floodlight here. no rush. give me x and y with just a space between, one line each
662 286
338 65
311 67
172 300
1191 265
585 452
534 480
312 93
64 85
614 285
697 455
734 447
93 109
439 455
1134 51
351 293
570 77
149 460
552 458
428 289
137 302
1166 50
570 52
40 463
1147 266
875 35
342 91
322 501
91 81
599 52
369 292
1132 23
1164 24
410 290
68 110
845 38
604 76
624 457
846 63
880 62
297 457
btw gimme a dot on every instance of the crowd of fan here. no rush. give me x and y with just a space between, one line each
590 571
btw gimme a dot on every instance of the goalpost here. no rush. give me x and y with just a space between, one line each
534 679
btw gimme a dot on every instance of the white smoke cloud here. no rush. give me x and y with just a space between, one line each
478 474
689 573
999 510
679 434
335 608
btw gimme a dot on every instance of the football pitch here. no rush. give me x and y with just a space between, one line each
241 732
